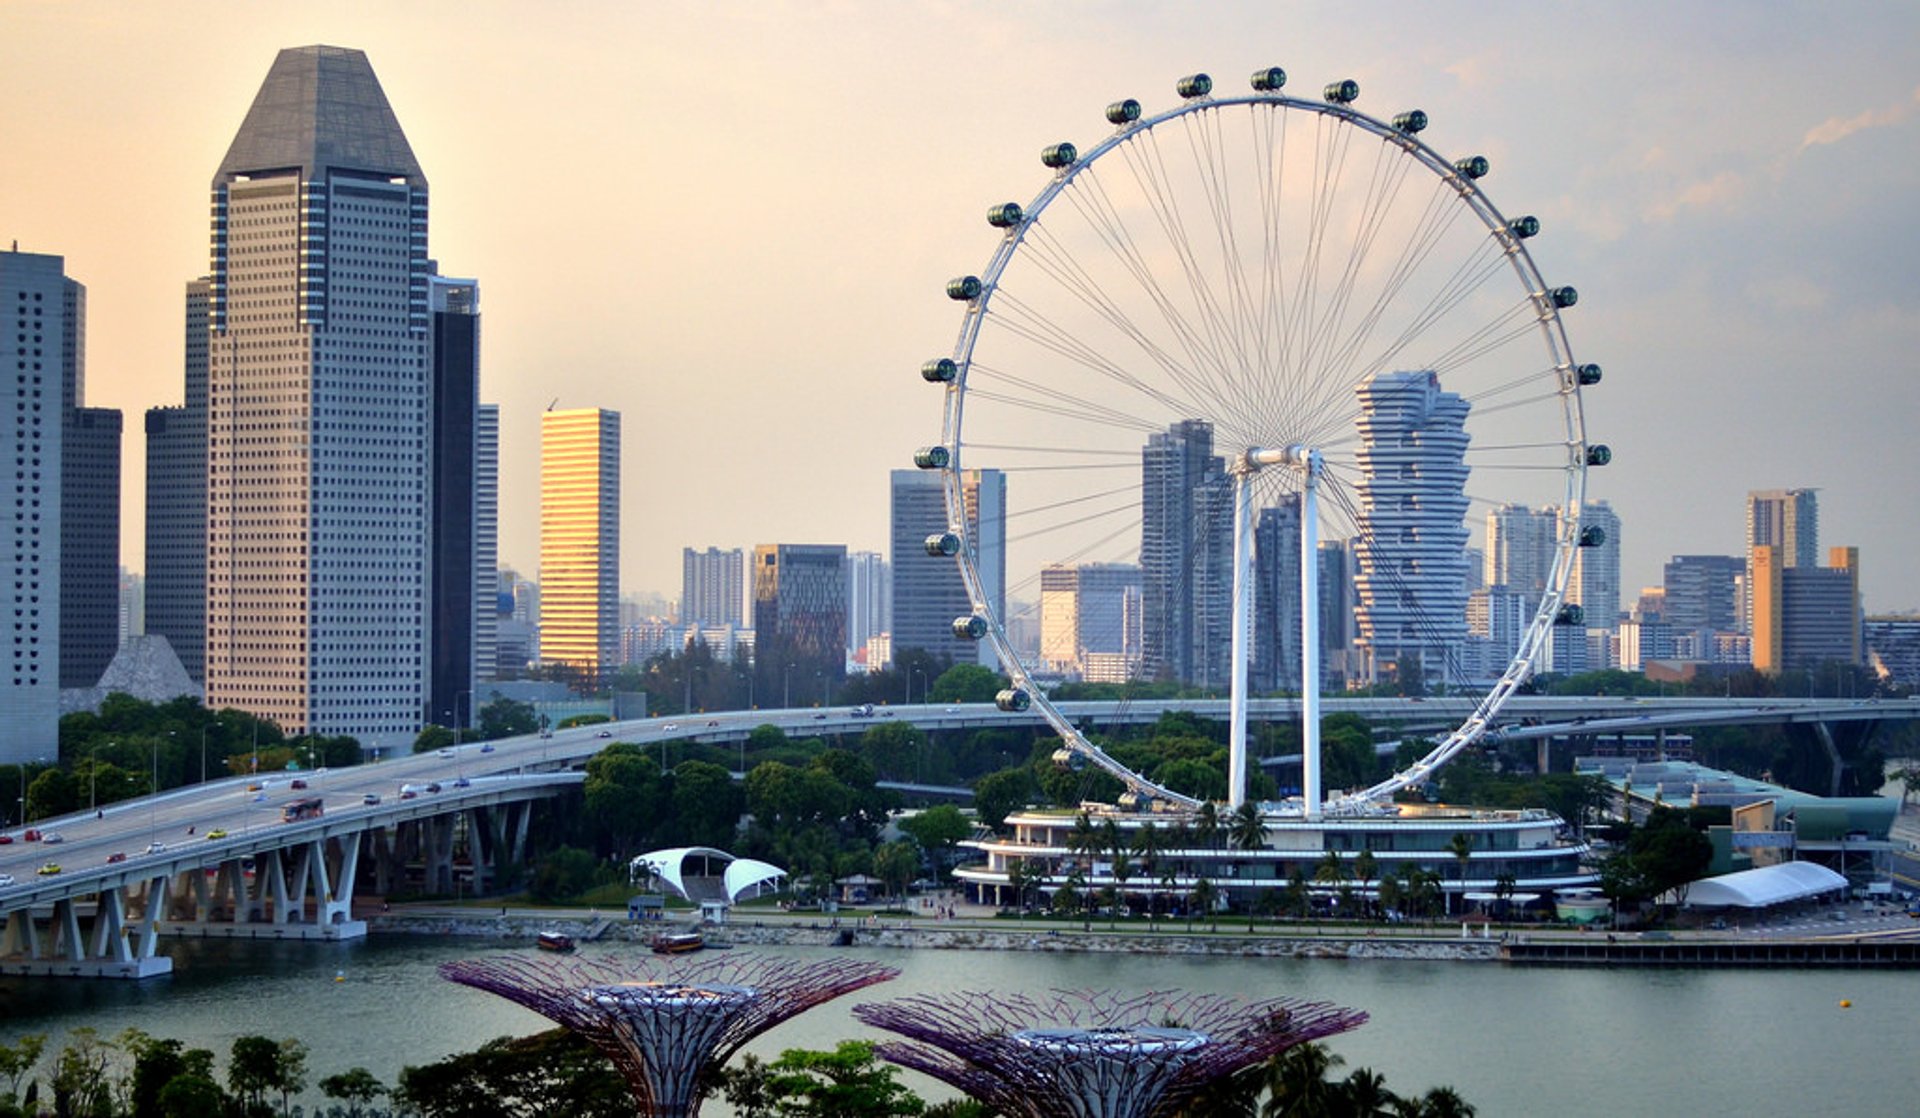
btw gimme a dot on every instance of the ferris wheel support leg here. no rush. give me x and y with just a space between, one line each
1242 588
1310 634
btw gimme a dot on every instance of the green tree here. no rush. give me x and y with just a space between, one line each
17 1060
549 1074
432 737
1297 1084
707 803
356 1086
507 718
561 874
1247 827
895 864
967 683
1000 794
848 1082
1365 868
626 797
193 1095
1668 853
1461 847
894 748
939 831
1206 898
82 1083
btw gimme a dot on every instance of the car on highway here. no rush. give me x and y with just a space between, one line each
116 857
371 799
30 835
409 793
671 727
6 840
216 833
462 782
486 747
156 848
49 869
712 722
6 879
297 784
433 786
601 734
443 754
50 837
257 786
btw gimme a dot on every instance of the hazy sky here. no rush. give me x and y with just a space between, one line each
732 222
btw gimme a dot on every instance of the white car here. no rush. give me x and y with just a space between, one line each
6 879
156 848
443 754
51 837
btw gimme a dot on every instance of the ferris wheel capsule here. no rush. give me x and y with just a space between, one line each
1123 112
1194 85
962 288
932 457
1570 615
1473 166
970 628
1524 227
1013 700
1410 122
1592 536
1269 80
940 370
1564 297
1005 215
1343 92
1599 454
1588 375
943 545
1059 155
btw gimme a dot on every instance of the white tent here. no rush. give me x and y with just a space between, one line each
1764 887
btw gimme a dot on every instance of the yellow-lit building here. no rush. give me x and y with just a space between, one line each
580 539
1804 616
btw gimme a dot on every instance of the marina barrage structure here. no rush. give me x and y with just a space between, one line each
1093 1054
1290 304
667 1025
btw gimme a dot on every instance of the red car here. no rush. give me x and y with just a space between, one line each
116 856
299 784
6 840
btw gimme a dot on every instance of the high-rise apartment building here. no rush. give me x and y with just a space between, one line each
580 539
713 587
1338 600
928 593
1521 543
1411 545
1701 592
319 408
1787 520
89 510
176 503
34 330
1276 598
869 600
1186 556
454 549
1804 616
1594 582
799 620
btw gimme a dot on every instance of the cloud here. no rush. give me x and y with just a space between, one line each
1834 129
1714 193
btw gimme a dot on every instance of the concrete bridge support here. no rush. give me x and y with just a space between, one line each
109 947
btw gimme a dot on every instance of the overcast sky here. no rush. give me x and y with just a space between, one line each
732 222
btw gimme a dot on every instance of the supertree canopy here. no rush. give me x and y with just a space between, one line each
668 1023
1088 1054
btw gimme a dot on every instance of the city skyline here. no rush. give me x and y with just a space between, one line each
1737 261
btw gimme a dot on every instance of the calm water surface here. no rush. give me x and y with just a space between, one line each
1512 1041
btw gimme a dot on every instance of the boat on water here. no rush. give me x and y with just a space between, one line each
554 941
678 943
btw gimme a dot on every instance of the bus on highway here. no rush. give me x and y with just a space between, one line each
310 808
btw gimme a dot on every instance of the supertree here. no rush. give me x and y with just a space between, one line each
666 1024
1093 1054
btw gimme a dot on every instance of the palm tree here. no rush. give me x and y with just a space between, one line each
1331 872
1019 881
1169 883
1461 847
1365 868
1503 888
1146 845
1204 897
1440 1102
1206 825
1367 1095
1247 829
1297 1085
1122 871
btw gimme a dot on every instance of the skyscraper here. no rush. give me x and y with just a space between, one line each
486 544
1805 616
713 587
318 408
869 600
1594 582
1701 592
34 327
176 544
928 593
1276 598
1520 549
1090 621
1411 546
1186 556
580 539
454 549
1787 520
799 619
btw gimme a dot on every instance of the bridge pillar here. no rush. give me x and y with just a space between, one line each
64 951
436 834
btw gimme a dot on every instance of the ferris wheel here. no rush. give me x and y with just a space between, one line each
1260 313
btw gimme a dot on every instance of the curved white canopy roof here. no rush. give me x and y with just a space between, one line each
743 877
1768 885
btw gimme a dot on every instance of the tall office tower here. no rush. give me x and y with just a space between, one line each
486 544
928 593
1090 621
319 409
869 600
1411 546
1594 582
1805 616
1338 600
713 587
89 543
580 539
176 545
34 312
799 620
1186 555
453 467
1701 592
1276 598
133 607
1893 648
1520 549
1787 520
1497 618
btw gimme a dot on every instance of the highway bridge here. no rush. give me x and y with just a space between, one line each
220 858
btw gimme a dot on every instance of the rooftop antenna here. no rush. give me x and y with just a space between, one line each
556 403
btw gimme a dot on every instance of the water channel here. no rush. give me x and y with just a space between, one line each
1513 1041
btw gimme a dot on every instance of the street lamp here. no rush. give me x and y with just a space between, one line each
924 685
786 687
